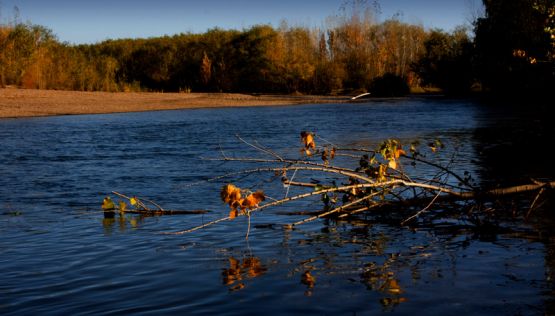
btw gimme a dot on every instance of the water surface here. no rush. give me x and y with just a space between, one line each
60 256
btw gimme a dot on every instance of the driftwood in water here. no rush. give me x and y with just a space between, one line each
375 180
110 209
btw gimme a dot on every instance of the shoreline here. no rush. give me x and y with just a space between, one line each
21 103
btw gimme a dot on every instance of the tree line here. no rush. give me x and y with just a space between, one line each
513 46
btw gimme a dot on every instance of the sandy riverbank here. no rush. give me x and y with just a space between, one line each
28 103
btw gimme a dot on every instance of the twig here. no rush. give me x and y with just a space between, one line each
335 210
534 203
461 180
141 204
249 225
274 169
287 161
197 227
422 210
293 177
269 152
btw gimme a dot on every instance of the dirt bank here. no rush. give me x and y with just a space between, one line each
27 103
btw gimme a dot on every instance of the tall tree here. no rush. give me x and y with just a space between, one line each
514 42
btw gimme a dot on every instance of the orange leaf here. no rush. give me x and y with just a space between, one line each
253 200
398 153
233 213
308 141
230 194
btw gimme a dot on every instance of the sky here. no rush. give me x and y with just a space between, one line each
90 21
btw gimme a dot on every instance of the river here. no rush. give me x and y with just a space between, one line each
59 255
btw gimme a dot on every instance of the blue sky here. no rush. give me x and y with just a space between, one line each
78 21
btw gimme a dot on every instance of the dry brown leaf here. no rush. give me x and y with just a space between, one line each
307 139
230 194
253 200
325 157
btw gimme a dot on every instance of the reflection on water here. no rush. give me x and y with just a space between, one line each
246 268
122 223
59 255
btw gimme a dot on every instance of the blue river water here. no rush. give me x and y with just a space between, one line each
59 255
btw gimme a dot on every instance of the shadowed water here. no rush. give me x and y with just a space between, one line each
58 255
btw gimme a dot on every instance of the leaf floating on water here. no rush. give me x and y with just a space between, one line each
108 204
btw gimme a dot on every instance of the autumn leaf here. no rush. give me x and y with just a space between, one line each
133 201
253 200
122 206
399 152
392 164
325 157
230 194
108 204
307 139
233 213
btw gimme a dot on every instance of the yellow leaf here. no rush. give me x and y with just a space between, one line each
392 164
108 204
133 201
122 206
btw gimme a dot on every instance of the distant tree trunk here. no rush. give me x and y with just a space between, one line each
205 69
